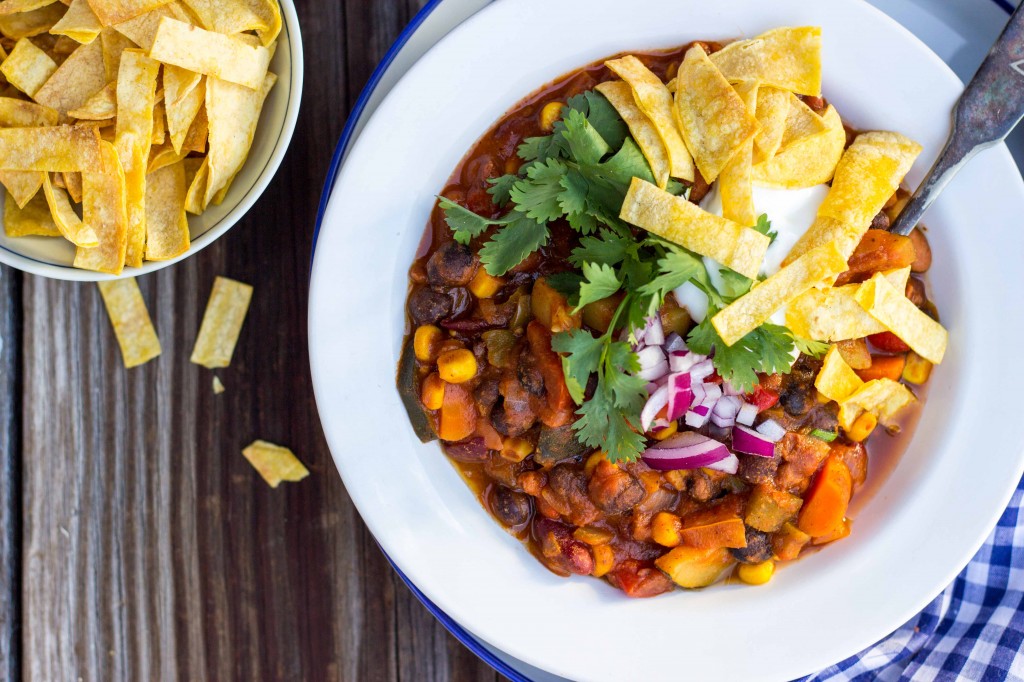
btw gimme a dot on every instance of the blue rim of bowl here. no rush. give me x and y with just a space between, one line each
347 135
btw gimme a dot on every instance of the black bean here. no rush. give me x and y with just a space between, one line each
427 306
452 265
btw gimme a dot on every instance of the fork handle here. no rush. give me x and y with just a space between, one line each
992 105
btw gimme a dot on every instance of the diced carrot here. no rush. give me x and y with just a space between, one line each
884 367
826 502
839 533
550 365
458 414
492 439
878 251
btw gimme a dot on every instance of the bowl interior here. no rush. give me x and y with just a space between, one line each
929 516
52 257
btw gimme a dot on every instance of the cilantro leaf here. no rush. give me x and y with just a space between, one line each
600 282
764 226
501 189
675 268
602 115
586 145
628 163
628 390
608 248
733 284
463 222
583 358
815 349
603 425
537 194
543 148
567 284
573 199
512 244
768 349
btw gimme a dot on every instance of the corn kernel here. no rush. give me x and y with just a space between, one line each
666 529
427 343
917 369
516 449
550 114
457 366
604 560
432 392
862 427
757 574
593 461
664 433
484 285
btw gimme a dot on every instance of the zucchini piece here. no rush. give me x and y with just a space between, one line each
691 568
408 390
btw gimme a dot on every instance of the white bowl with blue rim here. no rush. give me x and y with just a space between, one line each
53 257
932 511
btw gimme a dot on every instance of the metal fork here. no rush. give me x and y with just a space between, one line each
990 108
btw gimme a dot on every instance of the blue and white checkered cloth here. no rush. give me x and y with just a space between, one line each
973 631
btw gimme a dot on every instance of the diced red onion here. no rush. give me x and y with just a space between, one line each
712 393
674 342
728 389
698 417
681 360
680 396
699 390
729 465
702 370
652 387
727 406
654 333
653 364
688 450
723 422
750 442
772 429
747 414
654 405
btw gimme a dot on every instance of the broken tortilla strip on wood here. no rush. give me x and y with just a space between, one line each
218 386
130 318
222 323
275 463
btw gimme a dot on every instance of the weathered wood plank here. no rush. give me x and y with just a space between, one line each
152 550
10 473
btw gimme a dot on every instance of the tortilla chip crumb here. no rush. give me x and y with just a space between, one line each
275 463
132 325
218 386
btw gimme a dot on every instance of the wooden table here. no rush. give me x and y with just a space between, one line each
137 542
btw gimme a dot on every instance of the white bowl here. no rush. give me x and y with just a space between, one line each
51 257
931 513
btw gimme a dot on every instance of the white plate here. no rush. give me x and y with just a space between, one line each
51 257
932 513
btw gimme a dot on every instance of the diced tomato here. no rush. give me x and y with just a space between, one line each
762 398
888 342
639 579
715 378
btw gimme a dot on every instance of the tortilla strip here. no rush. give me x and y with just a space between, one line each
100 107
867 175
73 184
112 12
21 185
104 210
68 222
681 222
27 67
787 58
882 397
834 314
233 112
80 77
18 113
136 96
31 220
714 120
79 23
771 112
20 6
55 149
892 308
130 318
142 29
197 187
237 16
640 127
211 54
222 323
28 24
166 223
735 184
808 161
837 381
815 269
801 122
655 101
113 45
184 95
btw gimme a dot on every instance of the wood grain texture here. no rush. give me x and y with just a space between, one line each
150 549
10 473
